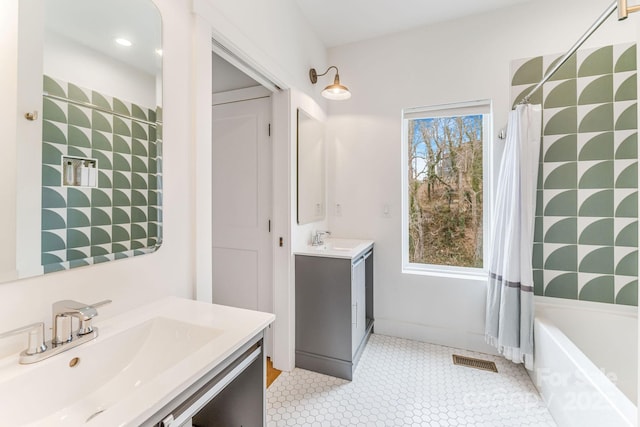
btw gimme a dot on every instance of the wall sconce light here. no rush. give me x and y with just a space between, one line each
336 91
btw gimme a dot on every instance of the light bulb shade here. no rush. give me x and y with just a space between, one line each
336 91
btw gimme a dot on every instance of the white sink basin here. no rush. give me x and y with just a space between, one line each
337 248
107 371
339 245
140 361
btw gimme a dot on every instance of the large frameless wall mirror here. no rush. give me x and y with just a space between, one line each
311 169
89 141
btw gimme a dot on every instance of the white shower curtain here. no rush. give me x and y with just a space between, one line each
509 317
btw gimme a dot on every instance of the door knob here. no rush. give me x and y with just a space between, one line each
31 116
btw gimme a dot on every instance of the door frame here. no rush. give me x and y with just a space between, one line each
281 137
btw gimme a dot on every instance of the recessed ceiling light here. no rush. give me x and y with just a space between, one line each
123 42
159 52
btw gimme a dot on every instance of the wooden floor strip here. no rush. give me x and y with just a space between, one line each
272 373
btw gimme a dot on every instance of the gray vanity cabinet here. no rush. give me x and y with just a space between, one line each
232 394
334 312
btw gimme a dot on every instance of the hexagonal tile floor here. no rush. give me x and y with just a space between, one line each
400 382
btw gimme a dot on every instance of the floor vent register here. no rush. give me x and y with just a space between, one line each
470 362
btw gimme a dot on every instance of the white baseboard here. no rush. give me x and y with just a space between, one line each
435 335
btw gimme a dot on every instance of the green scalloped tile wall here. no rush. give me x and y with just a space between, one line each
122 216
586 229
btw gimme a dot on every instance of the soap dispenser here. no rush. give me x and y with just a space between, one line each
69 175
93 174
84 173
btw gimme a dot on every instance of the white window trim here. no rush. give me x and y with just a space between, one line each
487 177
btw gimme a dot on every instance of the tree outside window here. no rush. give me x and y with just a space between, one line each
445 190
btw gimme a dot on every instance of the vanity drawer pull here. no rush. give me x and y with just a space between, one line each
357 263
362 258
167 422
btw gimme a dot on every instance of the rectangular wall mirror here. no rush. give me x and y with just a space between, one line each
88 172
310 169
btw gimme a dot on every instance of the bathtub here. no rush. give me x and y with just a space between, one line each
585 362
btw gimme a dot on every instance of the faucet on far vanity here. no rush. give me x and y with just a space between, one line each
63 336
318 237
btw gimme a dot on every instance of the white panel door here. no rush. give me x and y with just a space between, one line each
242 163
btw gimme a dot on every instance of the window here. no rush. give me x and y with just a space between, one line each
444 174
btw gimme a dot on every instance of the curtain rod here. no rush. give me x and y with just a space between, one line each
622 14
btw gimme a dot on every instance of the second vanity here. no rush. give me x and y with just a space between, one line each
171 363
334 305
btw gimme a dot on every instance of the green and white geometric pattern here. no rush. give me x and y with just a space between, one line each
586 234
122 216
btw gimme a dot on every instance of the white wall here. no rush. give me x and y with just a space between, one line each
134 281
461 60
274 37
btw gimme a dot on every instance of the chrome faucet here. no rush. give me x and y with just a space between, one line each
63 336
63 313
318 237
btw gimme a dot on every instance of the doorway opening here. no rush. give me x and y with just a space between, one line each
242 191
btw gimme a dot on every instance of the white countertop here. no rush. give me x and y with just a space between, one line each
236 327
239 327
337 248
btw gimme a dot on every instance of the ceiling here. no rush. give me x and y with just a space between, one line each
96 24
339 22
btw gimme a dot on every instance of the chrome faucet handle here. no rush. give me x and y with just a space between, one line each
70 307
78 309
85 324
101 303
64 310
36 337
